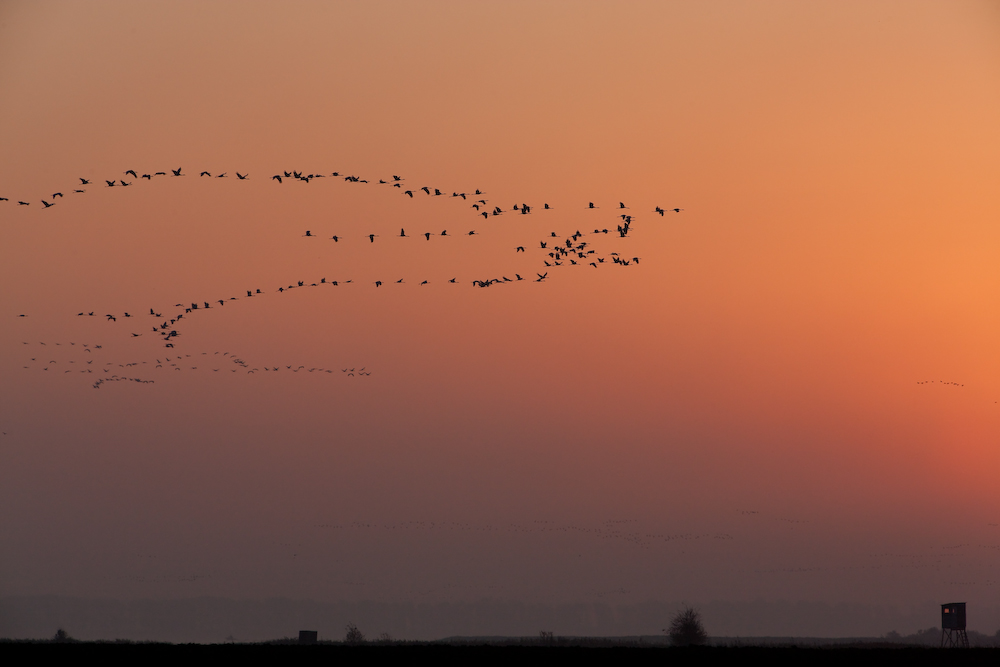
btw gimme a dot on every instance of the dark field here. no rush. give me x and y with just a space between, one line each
437 653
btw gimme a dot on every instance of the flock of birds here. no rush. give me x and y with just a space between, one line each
86 181
556 250
218 361
573 251
479 205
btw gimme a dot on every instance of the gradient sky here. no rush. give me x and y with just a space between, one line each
738 416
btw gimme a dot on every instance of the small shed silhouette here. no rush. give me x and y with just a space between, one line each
308 636
953 633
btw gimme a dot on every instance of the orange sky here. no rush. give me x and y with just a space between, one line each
751 385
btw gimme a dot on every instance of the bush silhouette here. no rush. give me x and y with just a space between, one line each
686 629
354 636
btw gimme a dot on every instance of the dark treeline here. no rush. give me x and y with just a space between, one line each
213 619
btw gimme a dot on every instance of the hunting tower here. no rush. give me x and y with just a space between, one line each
953 626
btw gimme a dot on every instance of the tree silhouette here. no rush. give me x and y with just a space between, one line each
686 628
354 636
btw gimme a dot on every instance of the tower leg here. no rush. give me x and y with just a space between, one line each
954 639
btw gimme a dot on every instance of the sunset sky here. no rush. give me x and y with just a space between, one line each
793 395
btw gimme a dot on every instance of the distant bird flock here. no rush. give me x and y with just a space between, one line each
83 361
556 251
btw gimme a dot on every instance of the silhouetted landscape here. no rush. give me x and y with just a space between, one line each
459 650
214 620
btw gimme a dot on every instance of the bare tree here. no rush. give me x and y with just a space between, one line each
686 628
